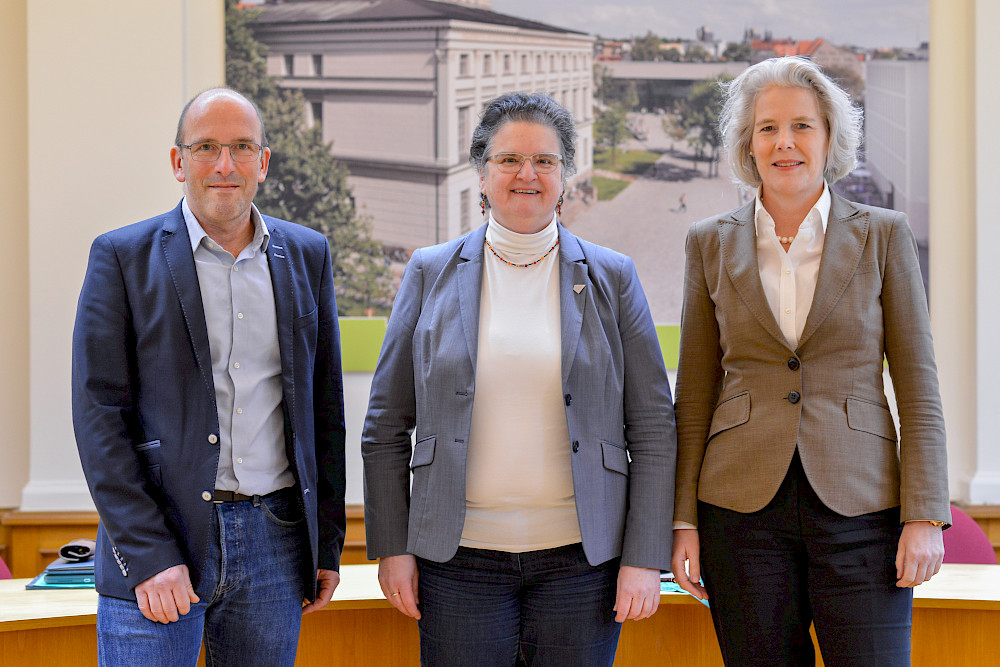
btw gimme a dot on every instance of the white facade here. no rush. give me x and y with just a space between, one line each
896 137
400 99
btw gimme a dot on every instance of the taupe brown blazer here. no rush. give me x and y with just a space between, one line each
746 399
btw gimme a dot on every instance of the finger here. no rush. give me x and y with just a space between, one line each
182 602
623 606
909 575
143 600
192 596
156 607
168 605
408 604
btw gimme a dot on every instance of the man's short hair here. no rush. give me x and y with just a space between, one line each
220 90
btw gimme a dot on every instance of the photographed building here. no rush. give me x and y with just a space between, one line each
897 125
398 85
823 53
662 84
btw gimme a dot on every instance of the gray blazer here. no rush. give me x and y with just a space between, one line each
618 406
746 399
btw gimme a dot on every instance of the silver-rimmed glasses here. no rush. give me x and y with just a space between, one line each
209 151
510 163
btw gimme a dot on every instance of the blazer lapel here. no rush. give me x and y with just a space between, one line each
176 245
846 235
470 287
572 272
738 246
284 297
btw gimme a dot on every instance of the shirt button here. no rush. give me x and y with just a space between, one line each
205 495
787 271
239 460
239 316
236 269
239 411
788 310
236 365
212 439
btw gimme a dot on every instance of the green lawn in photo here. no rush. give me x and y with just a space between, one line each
626 162
607 188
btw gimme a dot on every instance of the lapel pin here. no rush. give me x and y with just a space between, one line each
578 288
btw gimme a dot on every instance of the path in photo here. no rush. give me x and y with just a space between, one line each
644 223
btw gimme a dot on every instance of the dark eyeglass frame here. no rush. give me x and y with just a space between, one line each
200 156
509 167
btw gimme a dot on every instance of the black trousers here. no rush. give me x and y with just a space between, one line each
772 573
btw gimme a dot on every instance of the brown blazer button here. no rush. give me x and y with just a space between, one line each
576 445
793 364
794 397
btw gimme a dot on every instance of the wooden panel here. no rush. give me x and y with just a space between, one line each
35 537
5 538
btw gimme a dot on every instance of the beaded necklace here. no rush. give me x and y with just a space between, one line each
522 266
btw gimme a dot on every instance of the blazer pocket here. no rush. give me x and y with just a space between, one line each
307 320
732 412
870 417
615 457
150 459
867 267
423 452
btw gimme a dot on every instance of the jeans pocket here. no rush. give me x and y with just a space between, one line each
283 509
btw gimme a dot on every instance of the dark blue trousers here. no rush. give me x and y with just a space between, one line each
772 573
547 608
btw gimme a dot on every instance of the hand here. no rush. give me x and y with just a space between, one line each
328 582
397 575
920 553
638 593
687 550
167 595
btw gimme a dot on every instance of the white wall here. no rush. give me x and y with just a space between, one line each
105 84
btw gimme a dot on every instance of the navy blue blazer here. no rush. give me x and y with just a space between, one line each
617 396
144 408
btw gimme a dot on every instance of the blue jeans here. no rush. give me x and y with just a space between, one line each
254 613
495 608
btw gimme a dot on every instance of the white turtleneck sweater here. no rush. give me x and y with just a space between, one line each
519 476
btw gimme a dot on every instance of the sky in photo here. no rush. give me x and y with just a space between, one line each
866 23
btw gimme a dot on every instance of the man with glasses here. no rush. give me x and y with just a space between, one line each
208 410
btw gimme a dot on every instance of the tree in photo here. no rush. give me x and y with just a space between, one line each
611 129
305 184
699 115
646 48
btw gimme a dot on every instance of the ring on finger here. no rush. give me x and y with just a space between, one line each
392 595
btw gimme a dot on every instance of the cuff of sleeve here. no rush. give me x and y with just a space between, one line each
684 525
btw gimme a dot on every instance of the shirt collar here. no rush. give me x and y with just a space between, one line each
261 235
821 209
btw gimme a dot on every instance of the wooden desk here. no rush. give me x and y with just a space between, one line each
956 622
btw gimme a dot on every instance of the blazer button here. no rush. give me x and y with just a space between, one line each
569 399
794 397
576 445
793 364
206 495
212 438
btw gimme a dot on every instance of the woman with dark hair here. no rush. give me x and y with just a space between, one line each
532 515
794 501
